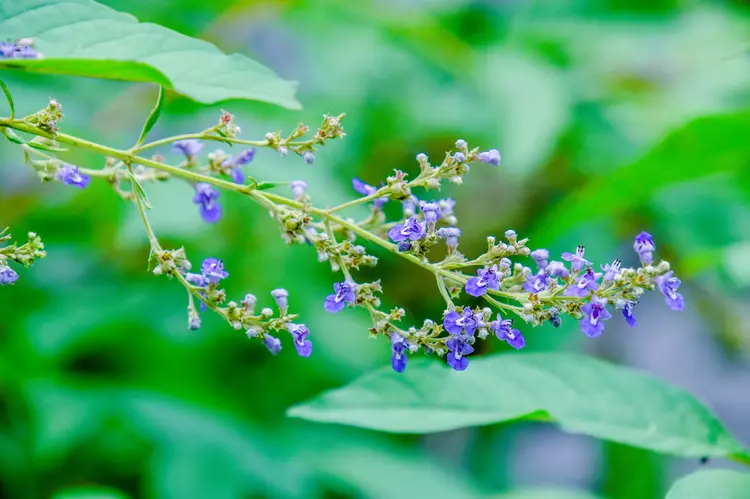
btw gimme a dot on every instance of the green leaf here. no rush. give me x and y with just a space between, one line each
90 493
85 38
153 117
703 147
582 394
705 484
545 493
264 186
6 91
139 190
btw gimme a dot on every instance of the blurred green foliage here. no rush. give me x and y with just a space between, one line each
612 116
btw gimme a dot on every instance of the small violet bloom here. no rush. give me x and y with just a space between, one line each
504 331
399 345
459 348
189 147
459 157
461 144
69 175
468 321
668 285
541 257
488 278
300 333
431 212
595 313
308 157
577 261
234 165
446 210
644 246
345 293
272 344
213 270
368 190
627 312
7 275
557 269
205 198
411 229
451 235
491 157
611 271
587 282
280 296
299 188
536 283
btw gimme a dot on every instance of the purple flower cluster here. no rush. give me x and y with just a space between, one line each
70 175
486 279
232 166
7 275
20 49
345 292
205 197
412 230
461 327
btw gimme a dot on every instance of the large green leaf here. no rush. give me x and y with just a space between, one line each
718 484
702 147
84 38
581 394
545 493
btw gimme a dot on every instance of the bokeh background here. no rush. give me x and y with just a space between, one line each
612 117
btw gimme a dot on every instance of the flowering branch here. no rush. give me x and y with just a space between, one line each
536 296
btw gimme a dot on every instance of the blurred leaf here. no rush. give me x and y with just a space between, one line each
90 493
581 394
719 484
703 147
153 117
545 493
85 38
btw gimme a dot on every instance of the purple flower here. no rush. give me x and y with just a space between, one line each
189 147
595 313
627 312
451 235
205 198
411 229
488 278
21 49
245 157
557 269
369 190
504 331
301 343
345 293
272 344
491 157
280 296
459 349
461 144
577 261
644 246
668 285
446 210
69 175
459 157
468 321
308 157
536 283
431 212
213 270
7 275
399 345
611 271
540 256
587 282
196 279
233 166
299 187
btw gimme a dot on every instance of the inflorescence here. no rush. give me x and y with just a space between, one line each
543 292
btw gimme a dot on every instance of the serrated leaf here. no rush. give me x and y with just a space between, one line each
139 190
583 395
702 147
718 484
153 117
85 38
8 95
